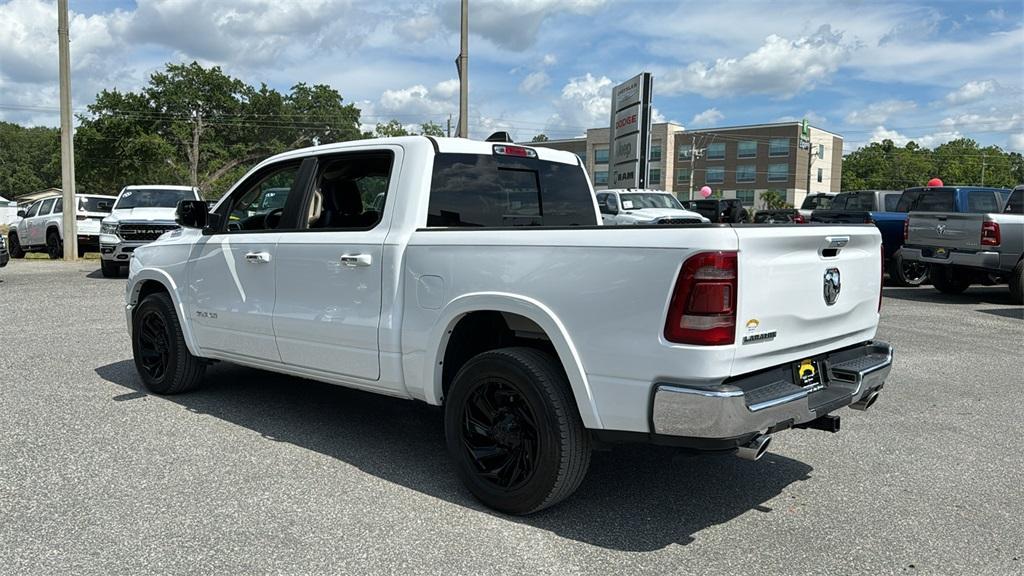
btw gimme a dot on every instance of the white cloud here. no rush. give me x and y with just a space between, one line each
1016 142
780 67
418 28
707 118
534 82
515 24
411 101
549 60
585 103
447 88
879 112
972 91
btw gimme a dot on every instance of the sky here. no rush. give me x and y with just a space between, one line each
868 70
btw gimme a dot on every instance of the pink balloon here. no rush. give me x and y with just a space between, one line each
705 191
934 183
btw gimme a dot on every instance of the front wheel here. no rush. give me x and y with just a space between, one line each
514 432
907 272
949 280
14 246
161 357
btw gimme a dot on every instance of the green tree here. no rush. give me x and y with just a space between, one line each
27 159
431 129
539 138
390 129
773 200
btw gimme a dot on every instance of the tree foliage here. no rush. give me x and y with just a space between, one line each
28 159
540 138
773 200
431 129
886 166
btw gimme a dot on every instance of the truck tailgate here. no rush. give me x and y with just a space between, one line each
947 230
787 306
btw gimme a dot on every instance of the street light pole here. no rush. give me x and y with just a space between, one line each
463 65
67 143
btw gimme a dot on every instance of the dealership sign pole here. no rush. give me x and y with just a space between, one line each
630 136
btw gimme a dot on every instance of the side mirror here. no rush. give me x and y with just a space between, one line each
21 213
192 214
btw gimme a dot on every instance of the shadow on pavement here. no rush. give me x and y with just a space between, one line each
635 498
973 295
98 275
1016 313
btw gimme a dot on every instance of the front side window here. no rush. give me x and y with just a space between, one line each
747 149
716 151
33 210
483 190
46 206
715 174
601 156
778 147
350 191
152 198
746 172
778 172
260 205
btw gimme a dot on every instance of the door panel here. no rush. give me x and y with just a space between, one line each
231 294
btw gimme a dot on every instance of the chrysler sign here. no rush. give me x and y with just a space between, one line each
630 136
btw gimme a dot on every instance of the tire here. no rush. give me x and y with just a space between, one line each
514 407
81 252
949 280
1017 283
110 268
54 249
907 272
14 246
161 357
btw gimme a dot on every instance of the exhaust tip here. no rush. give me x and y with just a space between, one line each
756 448
867 401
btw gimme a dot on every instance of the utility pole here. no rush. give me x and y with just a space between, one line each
810 160
67 142
449 125
462 63
983 169
693 154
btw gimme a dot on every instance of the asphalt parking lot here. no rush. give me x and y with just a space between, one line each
258 473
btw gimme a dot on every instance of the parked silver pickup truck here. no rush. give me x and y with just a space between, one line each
963 249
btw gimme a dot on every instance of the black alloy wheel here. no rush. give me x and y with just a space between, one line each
912 272
499 434
14 246
154 344
53 246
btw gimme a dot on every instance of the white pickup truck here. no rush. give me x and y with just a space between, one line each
483 281
139 216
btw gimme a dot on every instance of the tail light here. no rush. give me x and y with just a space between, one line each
799 219
881 273
990 235
703 307
906 229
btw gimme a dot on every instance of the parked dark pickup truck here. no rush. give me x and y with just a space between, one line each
881 208
722 210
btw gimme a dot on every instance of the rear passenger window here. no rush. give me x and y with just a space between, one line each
982 202
479 190
350 192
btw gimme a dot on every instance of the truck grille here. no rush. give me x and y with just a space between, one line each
143 232
678 221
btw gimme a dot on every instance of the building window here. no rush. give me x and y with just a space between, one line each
684 152
716 151
655 152
746 197
746 173
654 176
820 172
778 147
683 176
601 177
821 153
601 156
583 157
715 175
778 172
747 149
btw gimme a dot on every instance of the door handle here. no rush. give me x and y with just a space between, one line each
257 257
354 260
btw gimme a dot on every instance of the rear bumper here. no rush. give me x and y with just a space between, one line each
983 260
769 401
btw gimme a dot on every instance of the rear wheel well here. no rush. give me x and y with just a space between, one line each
481 331
52 230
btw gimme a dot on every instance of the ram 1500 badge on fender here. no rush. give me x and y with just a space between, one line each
477 276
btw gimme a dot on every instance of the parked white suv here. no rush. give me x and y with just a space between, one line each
41 227
636 207
140 215
484 281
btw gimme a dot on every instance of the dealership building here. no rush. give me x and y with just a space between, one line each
736 162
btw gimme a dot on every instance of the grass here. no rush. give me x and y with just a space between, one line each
43 256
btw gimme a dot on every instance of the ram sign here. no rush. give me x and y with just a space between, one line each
630 137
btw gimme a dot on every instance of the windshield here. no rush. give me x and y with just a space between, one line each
639 201
93 204
152 198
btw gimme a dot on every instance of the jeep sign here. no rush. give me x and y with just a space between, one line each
630 136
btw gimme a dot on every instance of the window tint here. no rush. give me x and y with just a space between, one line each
839 202
891 200
982 202
58 207
32 210
479 190
46 206
933 201
259 205
861 201
1015 205
824 202
350 191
